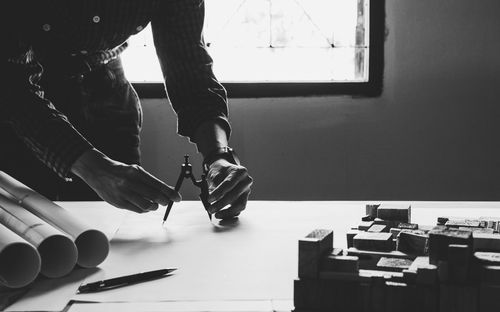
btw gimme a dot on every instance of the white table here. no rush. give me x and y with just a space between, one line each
249 265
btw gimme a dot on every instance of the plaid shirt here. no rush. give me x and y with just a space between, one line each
96 31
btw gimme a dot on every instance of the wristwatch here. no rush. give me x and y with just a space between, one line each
224 152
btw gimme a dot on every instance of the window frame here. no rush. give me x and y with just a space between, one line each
370 88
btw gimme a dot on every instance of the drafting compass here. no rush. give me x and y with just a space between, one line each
187 173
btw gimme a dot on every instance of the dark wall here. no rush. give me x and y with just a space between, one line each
432 135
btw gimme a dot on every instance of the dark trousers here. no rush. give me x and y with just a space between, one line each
102 106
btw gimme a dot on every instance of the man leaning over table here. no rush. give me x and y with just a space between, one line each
68 111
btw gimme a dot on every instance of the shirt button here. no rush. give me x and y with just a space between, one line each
96 19
139 28
46 27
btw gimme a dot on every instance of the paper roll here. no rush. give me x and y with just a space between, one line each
57 251
92 244
19 261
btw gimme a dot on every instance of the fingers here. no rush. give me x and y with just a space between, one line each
235 177
151 194
236 208
141 203
163 190
235 191
139 191
127 206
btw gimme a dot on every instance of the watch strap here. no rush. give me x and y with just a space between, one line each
224 152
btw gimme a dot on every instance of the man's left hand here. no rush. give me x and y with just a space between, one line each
228 185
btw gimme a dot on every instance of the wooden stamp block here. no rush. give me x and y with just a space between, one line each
400 297
492 223
367 218
459 298
389 223
363 276
426 228
490 274
459 257
395 232
371 210
428 297
487 258
394 264
337 252
350 237
398 213
378 228
326 295
346 264
408 226
378 294
426 272
488 298
427 275
413 242
439 239
443 271
419 262
484 230
365 225
409 277
311 249
463 223
374 241
368 259
358 277
486 242
388 275
364 297
446 300
442 220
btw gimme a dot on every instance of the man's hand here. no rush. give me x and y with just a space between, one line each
124 186
228 184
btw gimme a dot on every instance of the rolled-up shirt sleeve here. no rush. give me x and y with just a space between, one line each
44 130
194 92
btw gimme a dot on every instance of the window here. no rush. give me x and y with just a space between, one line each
281 47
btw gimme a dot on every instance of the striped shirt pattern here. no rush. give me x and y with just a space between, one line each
96 31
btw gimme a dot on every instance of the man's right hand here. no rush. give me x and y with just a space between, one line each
123 186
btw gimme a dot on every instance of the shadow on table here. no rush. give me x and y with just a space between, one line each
226 225
43 285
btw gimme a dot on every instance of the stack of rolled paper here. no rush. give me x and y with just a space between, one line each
39 237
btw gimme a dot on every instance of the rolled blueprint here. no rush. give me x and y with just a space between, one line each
92 244
57 250
19 260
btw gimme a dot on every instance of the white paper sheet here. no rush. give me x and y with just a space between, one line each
177 306
57 251
92 244
253 259
19 261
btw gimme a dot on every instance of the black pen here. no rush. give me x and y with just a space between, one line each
123 280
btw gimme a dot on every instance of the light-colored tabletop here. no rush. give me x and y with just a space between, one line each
247 265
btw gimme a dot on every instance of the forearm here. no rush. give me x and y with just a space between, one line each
87 163
209 136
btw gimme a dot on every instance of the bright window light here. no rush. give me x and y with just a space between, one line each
273 41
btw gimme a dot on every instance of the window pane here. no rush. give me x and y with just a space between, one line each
274 41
